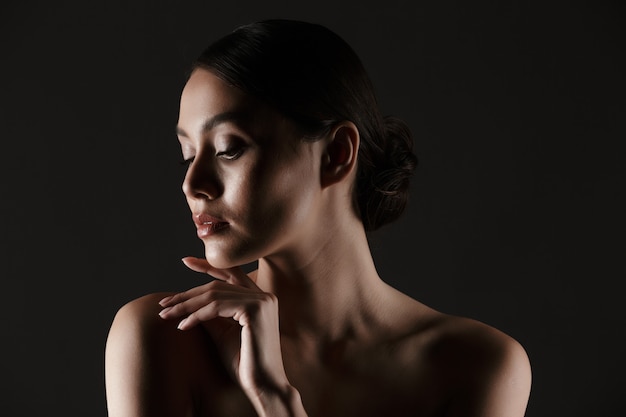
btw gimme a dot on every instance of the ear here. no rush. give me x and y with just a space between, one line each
340 155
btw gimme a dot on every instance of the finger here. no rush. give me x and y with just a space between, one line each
196 264
234 275
185 295
192 300
226 308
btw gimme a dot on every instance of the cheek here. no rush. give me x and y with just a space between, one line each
278 197
294 194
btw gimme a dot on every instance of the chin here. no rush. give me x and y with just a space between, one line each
218 260
222 259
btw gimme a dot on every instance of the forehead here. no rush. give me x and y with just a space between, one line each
207 98
206 95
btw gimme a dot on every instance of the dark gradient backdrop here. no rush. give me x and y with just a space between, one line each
516 216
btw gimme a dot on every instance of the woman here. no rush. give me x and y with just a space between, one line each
290 163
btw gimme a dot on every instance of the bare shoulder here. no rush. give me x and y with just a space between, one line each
487 370
140 311
474 345
149 365
137 324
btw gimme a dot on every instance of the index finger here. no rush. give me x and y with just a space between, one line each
234 275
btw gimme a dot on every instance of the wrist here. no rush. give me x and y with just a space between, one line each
279 402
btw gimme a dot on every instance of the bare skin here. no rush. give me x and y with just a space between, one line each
314 331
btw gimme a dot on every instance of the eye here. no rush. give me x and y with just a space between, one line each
231 153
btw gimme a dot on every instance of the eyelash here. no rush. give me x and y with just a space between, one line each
231 154
228 155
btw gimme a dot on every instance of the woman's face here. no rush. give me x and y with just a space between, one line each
252 183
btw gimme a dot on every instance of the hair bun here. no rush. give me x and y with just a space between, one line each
399 147
390 176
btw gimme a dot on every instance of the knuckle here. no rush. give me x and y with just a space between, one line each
185 295
209 296
212 284
182 307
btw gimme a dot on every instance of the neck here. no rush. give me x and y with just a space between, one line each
326 288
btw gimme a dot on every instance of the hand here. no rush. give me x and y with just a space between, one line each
242 319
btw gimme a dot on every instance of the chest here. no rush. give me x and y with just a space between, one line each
331 393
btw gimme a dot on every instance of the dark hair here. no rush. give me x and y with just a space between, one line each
312 76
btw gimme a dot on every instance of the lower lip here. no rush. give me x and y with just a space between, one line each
206 230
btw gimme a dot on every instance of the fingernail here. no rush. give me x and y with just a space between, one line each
165 300
164 311
181 324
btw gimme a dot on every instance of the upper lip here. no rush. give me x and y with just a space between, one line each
204 218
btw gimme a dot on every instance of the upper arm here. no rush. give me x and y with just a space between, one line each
145 372
494 378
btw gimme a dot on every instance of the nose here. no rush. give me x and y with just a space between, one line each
202 180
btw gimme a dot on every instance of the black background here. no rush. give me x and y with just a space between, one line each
515 218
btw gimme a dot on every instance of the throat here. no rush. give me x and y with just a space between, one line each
331 307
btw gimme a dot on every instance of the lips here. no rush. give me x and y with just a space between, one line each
207 225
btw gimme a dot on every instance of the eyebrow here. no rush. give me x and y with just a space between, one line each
229 116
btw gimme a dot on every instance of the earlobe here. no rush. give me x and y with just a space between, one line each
339 158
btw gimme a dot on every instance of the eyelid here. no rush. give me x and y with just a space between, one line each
234 147
232 152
